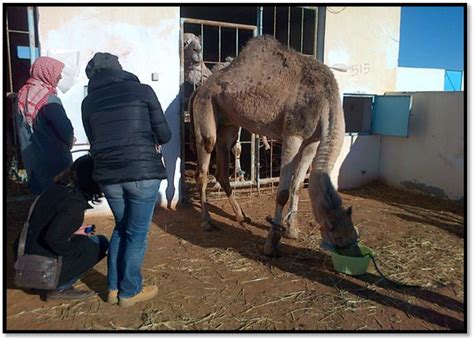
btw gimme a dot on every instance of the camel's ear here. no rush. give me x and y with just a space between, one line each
349 211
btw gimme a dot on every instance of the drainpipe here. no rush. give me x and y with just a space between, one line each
31 30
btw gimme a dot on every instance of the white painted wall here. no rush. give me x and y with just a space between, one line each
358 162
364 40
146 40
431 159
419 79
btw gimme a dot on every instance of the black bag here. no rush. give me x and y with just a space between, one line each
35 271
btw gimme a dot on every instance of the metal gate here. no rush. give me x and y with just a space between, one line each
249 144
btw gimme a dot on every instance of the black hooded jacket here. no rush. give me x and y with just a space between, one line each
123 121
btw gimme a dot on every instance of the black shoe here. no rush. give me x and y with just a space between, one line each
68 294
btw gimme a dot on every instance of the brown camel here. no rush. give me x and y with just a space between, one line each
273 91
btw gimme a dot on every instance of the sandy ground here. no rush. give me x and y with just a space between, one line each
220 280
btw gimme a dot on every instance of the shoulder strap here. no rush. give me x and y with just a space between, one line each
24 231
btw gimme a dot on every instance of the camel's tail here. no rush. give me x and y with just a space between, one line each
332 137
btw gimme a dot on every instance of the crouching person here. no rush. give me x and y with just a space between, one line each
55 228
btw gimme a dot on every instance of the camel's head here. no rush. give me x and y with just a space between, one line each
192 48
337 229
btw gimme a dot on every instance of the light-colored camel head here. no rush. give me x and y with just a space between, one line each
195 70
336 226
192 48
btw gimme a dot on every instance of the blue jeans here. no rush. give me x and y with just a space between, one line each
132 204
103 244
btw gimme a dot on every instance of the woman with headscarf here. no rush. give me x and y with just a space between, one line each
124 121
45 132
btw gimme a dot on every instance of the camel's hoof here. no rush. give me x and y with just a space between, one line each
291 233
243 219
207 226
271 250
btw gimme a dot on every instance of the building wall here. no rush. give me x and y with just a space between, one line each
431 159
146 40
364 41
358 162
420 79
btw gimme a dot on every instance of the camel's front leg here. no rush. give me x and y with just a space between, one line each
203 160
290 222
290 148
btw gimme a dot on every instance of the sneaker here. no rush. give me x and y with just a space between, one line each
112 298
147 293
68 294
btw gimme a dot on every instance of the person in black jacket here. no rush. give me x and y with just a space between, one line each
56 228
125 126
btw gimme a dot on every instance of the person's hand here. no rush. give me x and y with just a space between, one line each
86 230
73 141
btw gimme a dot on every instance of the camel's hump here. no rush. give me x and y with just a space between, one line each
264 43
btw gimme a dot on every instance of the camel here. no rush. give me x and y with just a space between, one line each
196 72
274 91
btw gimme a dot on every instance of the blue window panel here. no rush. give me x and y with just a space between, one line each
452 80
391 115
23 52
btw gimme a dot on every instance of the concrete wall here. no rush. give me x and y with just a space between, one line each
146 39
431 159
358 162
364 40
419 79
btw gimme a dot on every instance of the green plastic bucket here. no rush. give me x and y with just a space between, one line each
352 265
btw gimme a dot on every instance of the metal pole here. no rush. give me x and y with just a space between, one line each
289 24
237 42
218 23
302 29
260 20
10 77
220 29
202 47
31 30
181 110
320 30
274 21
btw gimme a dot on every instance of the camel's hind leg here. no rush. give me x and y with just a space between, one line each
226 137
305 158
290 148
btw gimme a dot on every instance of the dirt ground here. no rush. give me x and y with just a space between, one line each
220 280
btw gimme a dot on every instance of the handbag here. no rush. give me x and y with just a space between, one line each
35 271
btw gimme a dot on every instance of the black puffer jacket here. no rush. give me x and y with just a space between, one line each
123 121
